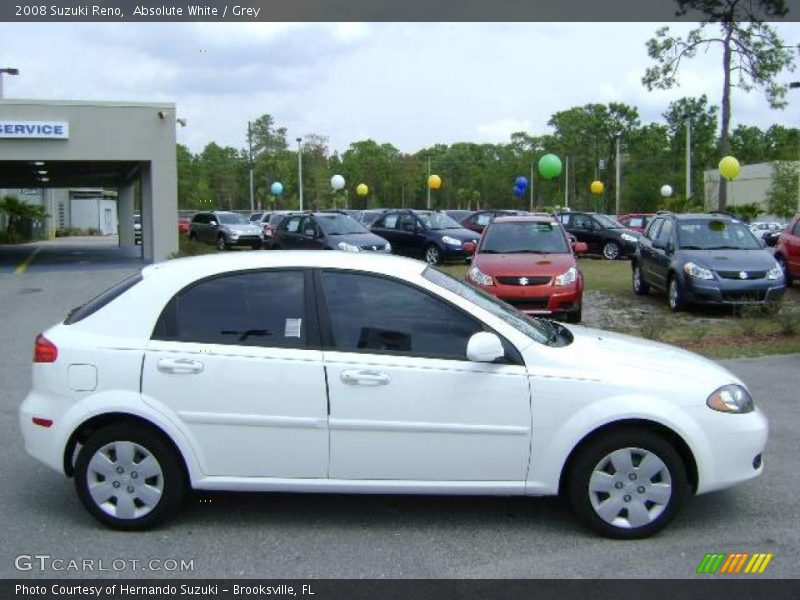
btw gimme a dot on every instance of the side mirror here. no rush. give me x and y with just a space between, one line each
485 347
580 247
214 223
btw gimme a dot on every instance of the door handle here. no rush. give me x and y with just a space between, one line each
352 377
179 366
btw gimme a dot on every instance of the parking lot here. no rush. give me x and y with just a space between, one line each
337 536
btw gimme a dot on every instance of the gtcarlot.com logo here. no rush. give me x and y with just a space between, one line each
737 563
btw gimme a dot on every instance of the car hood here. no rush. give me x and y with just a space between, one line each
465 235
730 260
514 265
618 359
358 239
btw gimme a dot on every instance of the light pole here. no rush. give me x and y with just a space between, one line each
795 85
617 137
688 119
428 204
300 171
250 158
6 71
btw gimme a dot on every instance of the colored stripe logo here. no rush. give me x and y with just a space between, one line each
735 563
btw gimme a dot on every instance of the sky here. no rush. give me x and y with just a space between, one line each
408 84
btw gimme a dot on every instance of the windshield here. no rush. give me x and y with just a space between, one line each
608 222
535 329
435 220
335 224
232 219
706 234
519 238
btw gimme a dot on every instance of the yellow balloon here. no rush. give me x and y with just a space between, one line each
434 182
597 187
729 167
362 189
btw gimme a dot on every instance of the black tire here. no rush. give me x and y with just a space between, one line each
575 316
221 245
433 254
171 481
675 294
611 250
640 287
787 276
257 246
192 236
631 490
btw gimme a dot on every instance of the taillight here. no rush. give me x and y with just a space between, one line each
44 350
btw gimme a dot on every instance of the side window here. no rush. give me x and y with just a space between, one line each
653 229
665 235
565 220
308 225
246 309
407 222
483 219
292 225
375 315
582 222
389 221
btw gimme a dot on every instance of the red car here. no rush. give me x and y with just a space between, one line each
787 252
638 222
529 262
183 225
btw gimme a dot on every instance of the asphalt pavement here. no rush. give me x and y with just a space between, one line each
339 536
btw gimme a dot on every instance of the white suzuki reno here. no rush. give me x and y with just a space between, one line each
339 372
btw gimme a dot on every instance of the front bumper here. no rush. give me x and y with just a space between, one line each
244 240
539 299
732 291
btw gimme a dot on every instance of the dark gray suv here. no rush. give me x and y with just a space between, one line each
225 229
705 259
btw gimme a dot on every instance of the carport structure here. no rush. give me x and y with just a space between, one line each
59 144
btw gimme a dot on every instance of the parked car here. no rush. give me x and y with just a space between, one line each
529 263
762 229
637 222
432 236
787 251
602 234
705 259
384 375
478 220
137 229
457 215
326 231
771 238
225 229
184 225
269 225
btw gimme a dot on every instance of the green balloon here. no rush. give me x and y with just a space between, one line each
550 166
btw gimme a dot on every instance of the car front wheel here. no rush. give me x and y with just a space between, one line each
628 484
611 251
433 256
221 245
675 295
129 477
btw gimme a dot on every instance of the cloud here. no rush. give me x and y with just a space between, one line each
501 130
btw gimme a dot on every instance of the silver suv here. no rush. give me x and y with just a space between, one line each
225 229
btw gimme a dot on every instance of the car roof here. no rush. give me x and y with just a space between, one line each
208 265
524 219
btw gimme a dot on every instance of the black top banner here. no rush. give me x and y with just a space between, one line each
364 10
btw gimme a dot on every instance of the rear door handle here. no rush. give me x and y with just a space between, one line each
353 377
180 366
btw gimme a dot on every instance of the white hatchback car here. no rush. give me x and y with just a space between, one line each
331 372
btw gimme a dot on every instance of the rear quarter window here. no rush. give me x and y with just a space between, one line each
92 306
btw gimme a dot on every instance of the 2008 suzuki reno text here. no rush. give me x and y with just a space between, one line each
331 372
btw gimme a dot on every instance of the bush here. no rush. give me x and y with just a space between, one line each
654 327
788 320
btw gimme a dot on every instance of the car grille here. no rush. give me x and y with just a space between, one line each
737 274
372 247
528 303
745 296
531 280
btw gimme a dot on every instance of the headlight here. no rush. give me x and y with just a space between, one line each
731 399
479 277
568 278
451 241
344 246
775 272
629 238
388 247
697 271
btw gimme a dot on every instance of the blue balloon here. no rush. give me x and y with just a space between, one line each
277 188
518 191
522 182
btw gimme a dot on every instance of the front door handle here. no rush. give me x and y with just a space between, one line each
352 377
180 366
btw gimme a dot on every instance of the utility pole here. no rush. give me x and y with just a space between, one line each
566 182
250 155
531 209
688 158
300 172
428 183
617 166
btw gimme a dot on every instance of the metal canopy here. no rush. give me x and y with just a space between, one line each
61 174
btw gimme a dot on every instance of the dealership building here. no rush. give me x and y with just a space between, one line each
84 162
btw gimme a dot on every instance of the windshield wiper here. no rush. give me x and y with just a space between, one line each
552 336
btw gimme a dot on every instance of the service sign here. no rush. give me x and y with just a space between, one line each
47 130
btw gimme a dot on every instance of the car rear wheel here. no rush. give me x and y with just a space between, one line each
611 251
640 288
128 477
628 484
675 295
433 256
787 276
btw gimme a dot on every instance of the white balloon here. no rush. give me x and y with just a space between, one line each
666 191
337 182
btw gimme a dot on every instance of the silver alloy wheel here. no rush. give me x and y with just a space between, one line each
221 243
611 251
125 480
637 279
674 294
630 488
432 255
